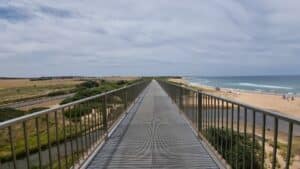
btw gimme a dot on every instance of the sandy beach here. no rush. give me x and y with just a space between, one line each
262 100
266 101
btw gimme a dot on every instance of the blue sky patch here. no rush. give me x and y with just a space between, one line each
13 14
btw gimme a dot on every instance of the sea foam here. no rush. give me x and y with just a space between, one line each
265 86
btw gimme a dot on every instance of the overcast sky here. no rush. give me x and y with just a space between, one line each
149 37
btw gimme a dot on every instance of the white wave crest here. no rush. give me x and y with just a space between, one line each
265 86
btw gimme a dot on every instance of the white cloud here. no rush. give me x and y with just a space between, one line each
148 37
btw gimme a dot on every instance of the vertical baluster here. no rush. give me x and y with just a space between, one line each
195 109
49 141
289 147
274 160
89 125
110 110
192 107
126 99
26 144
227 135
81 131
245 138
200 111
12 146
215 121
253 140
38 141
104 115
98 114
101 117
237 137
71 135
211 120
231 136
93 125
75 134
76 131
181 99
263 141
96 123
65 138
222 128
57 139
85 114
218 126
185 100
206 113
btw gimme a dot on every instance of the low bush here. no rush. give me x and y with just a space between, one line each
87 92
57 93
10 113
226 139
88 84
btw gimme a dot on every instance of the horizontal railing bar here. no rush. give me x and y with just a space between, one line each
39 113
257 109
279 115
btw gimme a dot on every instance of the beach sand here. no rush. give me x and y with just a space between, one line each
266 101
270 102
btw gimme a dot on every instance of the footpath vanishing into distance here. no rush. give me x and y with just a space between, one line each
153 135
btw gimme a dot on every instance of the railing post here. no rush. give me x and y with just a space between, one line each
274 160
289 148
126 99
199 111
12 147
104 115
180 98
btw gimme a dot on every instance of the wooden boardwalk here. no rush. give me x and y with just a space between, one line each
153 135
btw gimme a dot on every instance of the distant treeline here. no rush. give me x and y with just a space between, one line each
56 77
11 78
44 78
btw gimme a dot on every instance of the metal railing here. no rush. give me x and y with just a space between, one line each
63 137
243 135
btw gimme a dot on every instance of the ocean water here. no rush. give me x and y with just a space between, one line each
269 84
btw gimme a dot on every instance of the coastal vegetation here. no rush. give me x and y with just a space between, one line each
16 90
91 88
10 113
241 147
236 148
87 115
82 90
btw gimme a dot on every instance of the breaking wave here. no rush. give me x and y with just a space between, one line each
265 86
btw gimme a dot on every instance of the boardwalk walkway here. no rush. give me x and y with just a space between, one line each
153 135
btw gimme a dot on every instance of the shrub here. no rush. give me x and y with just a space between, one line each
221 137
87 92
37 109
10 113
88 84
84 108
121 82
57 93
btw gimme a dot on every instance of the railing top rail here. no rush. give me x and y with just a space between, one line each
43 112
254 108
